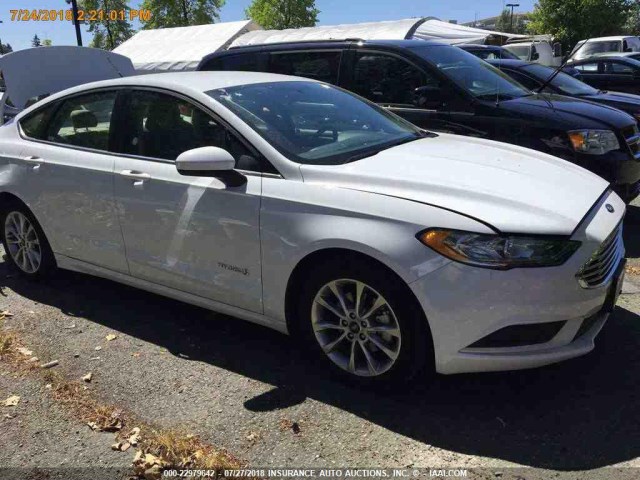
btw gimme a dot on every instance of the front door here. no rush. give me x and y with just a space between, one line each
195 234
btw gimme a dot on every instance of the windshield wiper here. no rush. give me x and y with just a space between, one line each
371 153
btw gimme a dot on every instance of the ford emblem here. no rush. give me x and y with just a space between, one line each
609 208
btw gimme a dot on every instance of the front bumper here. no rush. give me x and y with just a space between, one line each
619 168
465 304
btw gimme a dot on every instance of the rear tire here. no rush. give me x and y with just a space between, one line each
362 322
25 244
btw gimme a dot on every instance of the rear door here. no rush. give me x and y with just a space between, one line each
592 72
71 159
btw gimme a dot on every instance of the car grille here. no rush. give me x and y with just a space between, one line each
632 137
603 262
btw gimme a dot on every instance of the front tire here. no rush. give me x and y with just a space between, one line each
362 322
24 242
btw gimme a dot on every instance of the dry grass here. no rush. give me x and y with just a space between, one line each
632 270
158 448
180 450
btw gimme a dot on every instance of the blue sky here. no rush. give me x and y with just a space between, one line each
19 34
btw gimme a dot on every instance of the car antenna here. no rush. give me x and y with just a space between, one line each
560 67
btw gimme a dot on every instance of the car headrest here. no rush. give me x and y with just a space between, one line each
83 119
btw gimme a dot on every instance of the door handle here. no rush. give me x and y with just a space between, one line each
135 175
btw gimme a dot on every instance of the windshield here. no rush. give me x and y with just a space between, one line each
315 123
476 76
563 82
493 54
520 51
598 47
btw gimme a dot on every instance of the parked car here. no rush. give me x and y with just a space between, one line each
632 55
487 52
620 74
592 46
534 76
443 88
536 51
297 205
498 53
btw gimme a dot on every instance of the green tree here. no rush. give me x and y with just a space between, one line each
572 20
503 23
632 26
181 13
35 41
108 33
279 14
47 42
5 48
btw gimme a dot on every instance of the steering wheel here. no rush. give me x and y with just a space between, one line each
324 128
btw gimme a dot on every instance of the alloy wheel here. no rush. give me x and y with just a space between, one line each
356 327
23 242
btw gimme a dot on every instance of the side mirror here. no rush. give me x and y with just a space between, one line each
557 49
210 162
535 56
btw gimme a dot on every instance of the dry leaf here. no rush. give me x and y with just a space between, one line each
98 349
93 426
6 313
110 337
134 436
88 377
121 446
12 401
25 351
253 436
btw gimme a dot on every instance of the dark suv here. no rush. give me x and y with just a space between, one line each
443 88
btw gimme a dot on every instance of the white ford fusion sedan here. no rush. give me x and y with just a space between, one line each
299 206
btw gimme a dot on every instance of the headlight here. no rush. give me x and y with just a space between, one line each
593 142
499 251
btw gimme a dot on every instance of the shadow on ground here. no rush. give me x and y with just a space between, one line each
582 414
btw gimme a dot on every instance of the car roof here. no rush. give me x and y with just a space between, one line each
479 46
604 39
597 58
187 82
324 43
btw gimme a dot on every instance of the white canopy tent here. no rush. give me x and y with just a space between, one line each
412 28
180 48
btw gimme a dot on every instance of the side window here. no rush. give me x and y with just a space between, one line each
390 80
587 67
525 80
246 62
164 126
618 68
34 125
83 121
323 66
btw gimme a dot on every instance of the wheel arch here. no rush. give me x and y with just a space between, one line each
329 254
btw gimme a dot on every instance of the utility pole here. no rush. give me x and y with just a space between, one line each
512 5
74 8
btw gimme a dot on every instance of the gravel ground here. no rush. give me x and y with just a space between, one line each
242 387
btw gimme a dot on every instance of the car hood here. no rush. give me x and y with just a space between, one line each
626 101
63 67
514 189
574 112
